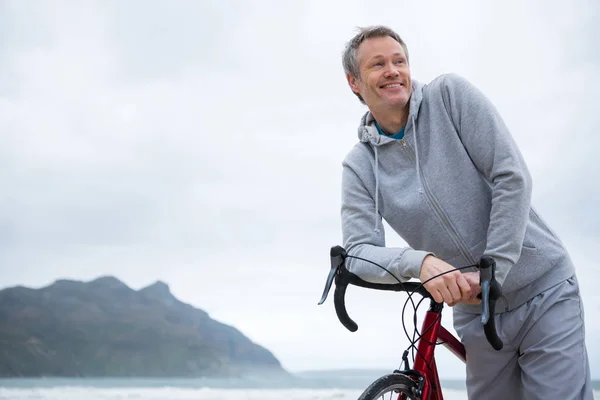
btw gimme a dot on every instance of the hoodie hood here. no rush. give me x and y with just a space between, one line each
367 131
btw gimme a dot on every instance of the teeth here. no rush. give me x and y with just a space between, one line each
392 85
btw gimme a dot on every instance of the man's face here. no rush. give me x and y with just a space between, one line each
384 74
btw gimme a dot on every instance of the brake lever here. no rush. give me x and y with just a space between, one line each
490 291
337 255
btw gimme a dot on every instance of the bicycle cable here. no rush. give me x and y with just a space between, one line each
413 341
416 331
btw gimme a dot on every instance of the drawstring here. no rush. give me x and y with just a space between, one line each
367 136
376 229
417 154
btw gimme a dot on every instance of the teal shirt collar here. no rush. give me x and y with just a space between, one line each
398 135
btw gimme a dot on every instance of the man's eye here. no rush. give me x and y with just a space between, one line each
399 61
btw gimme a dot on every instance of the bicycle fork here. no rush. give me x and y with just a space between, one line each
425 368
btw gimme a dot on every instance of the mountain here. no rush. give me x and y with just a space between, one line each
103 328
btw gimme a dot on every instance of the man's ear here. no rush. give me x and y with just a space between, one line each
353 82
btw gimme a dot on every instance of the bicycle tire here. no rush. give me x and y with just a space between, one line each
392 383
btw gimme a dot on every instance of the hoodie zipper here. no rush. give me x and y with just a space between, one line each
437 208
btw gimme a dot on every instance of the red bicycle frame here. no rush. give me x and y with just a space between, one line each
432 331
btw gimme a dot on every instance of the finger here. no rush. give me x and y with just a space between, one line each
431 287
454 291
446 295
437 296
465 288
475 291
473 280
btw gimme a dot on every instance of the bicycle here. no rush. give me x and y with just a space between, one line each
421 382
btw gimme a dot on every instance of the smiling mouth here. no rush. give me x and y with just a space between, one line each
391 85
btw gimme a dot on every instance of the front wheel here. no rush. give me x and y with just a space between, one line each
392 386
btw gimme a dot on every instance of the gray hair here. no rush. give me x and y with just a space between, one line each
350 57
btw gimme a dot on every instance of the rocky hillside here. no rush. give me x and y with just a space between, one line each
104 328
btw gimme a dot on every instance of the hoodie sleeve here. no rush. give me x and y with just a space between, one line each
495 154
364 236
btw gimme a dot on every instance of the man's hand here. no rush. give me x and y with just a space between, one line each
472 279
452 287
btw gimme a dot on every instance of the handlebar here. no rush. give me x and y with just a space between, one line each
490 292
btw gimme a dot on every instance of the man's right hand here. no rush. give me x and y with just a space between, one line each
450 288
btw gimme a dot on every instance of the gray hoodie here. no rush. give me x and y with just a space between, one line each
455 186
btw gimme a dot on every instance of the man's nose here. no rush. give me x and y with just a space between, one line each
391 71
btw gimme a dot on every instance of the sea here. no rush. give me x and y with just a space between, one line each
198 389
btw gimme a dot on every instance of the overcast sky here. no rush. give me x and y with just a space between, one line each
200 143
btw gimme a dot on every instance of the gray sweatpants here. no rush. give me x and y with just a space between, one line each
544 354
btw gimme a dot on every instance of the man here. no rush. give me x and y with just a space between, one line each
437 162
